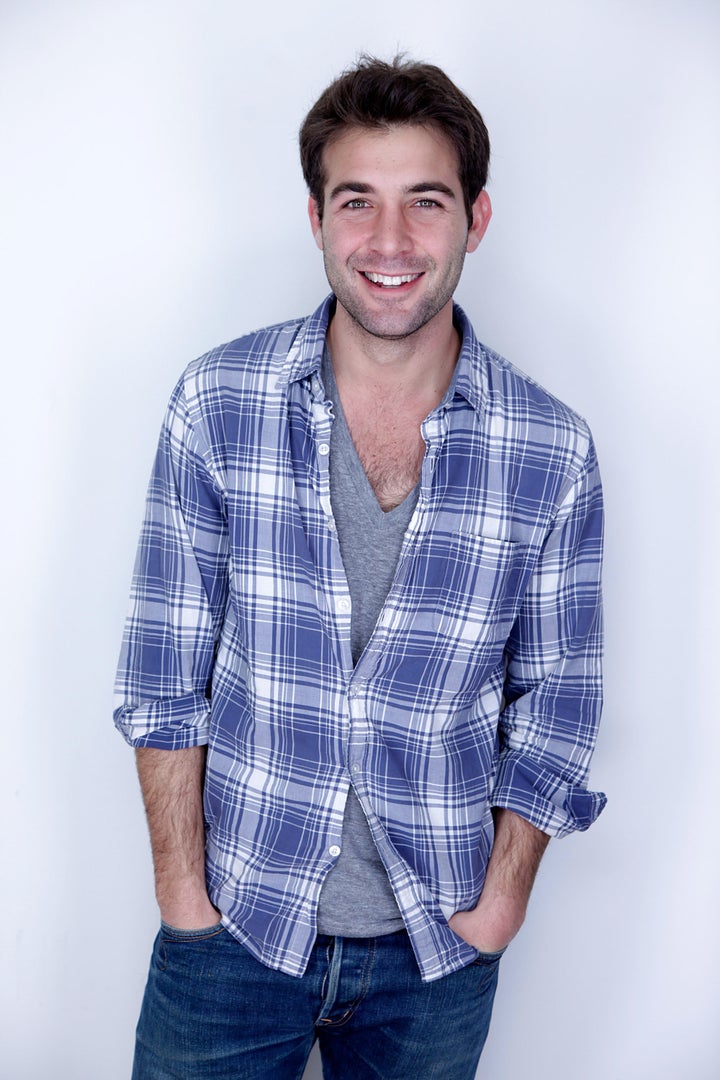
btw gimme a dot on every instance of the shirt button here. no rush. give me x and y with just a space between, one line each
334 851
356 769
343 605
323 449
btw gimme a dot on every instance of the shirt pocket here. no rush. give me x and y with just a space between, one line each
482 587
448 622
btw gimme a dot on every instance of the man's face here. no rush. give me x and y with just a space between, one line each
394 231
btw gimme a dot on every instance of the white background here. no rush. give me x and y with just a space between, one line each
153 206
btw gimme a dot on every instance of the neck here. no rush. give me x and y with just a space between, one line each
419 366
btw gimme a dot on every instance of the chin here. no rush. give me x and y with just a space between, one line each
390 326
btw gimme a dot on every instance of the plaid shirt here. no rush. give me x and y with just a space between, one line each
479 687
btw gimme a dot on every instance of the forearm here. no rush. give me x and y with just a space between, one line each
172 785
500 911
514 861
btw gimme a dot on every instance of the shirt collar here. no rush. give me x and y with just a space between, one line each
471 374
305 354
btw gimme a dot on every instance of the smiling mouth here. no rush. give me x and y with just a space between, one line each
390 282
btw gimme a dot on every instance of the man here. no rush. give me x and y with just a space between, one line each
361 666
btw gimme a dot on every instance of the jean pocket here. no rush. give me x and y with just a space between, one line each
487 959
174 933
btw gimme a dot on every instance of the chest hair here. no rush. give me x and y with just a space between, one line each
390 447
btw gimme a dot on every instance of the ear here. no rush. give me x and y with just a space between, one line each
315 222
481 214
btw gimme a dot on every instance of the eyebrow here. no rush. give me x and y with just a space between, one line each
358 188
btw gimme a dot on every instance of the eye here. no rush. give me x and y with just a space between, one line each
356 204
426 203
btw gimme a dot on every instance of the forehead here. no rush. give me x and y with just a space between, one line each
404 152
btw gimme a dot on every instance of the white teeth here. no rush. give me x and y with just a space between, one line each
382 279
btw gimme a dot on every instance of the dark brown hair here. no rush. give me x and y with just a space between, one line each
377 94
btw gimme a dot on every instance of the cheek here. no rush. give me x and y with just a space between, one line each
345 238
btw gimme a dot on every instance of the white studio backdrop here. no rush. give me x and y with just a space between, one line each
153 206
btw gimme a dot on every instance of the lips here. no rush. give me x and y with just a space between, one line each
390 281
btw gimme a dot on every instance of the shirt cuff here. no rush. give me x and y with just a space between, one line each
166 725
547 802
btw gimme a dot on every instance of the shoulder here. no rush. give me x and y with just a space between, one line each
516 408
243 362
225 396
522 397
261 362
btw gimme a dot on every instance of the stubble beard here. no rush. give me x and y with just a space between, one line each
395 326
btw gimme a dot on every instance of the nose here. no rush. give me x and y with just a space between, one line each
391 235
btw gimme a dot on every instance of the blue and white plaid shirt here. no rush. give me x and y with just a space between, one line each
480 685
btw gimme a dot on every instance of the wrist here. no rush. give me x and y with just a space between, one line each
491 925
186 904
189 916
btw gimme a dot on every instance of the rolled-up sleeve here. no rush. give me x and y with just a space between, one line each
553 687
178 595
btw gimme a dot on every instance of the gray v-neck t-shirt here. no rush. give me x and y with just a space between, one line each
356 898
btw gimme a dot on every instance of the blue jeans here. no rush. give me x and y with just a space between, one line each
212 1010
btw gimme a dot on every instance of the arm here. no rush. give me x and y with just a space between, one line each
172 782
553 690
179 593
500 911
548 726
